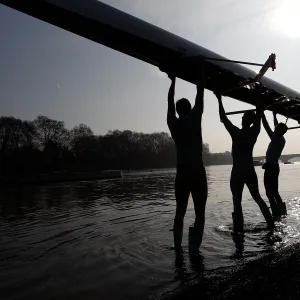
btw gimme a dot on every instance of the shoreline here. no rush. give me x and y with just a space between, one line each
272 276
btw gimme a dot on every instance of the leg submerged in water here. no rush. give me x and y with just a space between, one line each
182 192
281 206
177 237
278 207
252 184
237 186
270 187
199 194
280 203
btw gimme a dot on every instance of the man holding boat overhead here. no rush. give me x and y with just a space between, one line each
186 132
243 172
271 166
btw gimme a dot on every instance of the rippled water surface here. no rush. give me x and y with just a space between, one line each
111 239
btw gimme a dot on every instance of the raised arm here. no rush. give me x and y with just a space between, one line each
267 126
257 120
259 111
275 119
171 105
224 119
198 107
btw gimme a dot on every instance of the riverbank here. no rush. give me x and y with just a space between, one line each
274 276
58 177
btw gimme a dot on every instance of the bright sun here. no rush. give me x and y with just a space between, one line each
286 18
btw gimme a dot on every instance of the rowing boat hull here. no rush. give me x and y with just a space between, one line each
120 31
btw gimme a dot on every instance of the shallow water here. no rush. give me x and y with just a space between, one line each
111 239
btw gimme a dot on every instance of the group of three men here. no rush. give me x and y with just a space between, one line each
186 132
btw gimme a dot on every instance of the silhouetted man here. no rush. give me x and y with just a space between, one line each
271 165
243 172
186 132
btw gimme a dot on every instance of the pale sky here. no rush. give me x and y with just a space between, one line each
46 70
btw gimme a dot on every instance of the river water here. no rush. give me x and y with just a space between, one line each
111 240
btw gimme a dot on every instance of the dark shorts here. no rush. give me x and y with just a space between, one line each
191 180
241 176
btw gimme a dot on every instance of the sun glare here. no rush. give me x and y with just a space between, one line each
286 18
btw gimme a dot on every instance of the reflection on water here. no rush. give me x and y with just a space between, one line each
111 239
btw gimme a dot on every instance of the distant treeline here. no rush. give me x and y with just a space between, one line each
44 145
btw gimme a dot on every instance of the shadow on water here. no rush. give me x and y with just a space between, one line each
182 273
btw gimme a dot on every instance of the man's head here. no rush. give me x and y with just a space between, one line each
281 129
248 118
183 107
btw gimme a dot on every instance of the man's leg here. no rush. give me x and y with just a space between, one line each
270 188
237 187
199 194
182 192
280 203
252 184
278 197
276 184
